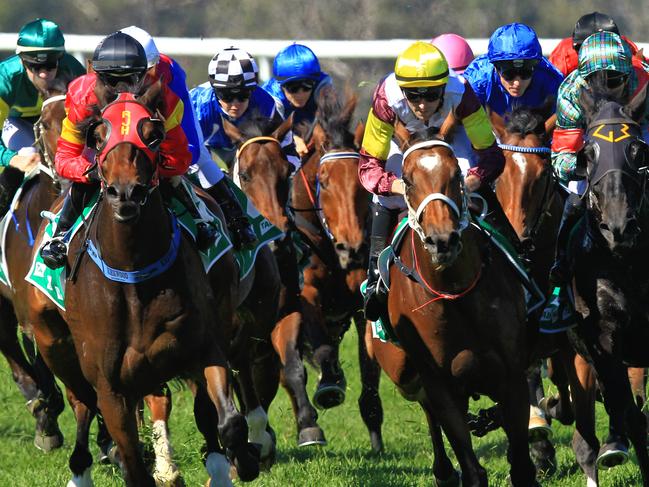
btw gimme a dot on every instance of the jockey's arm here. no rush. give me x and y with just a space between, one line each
70 161
374 153
568 137
491 161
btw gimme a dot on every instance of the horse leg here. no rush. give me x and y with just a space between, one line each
165 471
515 423
285 339
445 474
539 431
81 458
35 382
583 388
369 402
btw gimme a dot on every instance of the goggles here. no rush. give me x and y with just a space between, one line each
48 65
230 95
518 68
615 79
429 93
114 79
300 85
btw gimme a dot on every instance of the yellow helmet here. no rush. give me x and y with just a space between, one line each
421 65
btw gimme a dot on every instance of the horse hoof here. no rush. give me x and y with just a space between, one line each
328 396
544 458
170 477
83 480
612 454
538 428
47 443
453 481
246 461
311 436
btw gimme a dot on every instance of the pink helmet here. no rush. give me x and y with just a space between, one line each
456 50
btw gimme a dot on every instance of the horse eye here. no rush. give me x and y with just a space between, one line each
244 177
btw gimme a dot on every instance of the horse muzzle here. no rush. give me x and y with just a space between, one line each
622 236
443 248
126 201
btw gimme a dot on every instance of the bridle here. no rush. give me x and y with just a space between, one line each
39 141
244 145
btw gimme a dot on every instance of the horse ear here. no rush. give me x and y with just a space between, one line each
358 134
401 134
639 54
550 125
151 97
498 124
350 105
635 107
448 127
231 130
286 125
89 68
319 137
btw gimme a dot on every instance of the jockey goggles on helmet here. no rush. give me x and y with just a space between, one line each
516 68
299 85
228 95
36 60
614 79
427 93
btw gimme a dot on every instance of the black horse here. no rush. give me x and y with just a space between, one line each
611 279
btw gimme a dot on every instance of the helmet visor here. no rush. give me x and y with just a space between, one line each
41 57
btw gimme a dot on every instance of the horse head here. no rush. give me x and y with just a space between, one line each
615 157
261 167
342 200
435 195
526 188
127 139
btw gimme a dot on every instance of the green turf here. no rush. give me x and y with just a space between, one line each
345 462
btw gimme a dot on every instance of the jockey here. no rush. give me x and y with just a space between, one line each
210 175
232 93
40 58
119 64
456 50
420 93
514 72
565 55
602 51
297 83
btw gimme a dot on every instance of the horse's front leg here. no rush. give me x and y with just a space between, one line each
119 414
81 459
369 401
159 403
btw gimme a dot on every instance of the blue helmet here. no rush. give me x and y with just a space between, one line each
296 62
514 41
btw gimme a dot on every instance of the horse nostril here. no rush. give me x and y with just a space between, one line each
632 226
112 192
340 246
603 226
429 241
139 194
453 239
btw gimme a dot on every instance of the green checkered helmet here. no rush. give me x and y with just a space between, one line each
40 41
604 51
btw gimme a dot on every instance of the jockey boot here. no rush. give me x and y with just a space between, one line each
55 251
374 300
497 219
238 224
205 233
10 180
560 272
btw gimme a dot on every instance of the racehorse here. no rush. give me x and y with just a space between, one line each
262 171
117 340
610 278
331 211
34 379
458 312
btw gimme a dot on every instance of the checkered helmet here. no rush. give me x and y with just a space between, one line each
233 68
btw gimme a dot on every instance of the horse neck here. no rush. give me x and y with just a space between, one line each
129 246
457 276
303 192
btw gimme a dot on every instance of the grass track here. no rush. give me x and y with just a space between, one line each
345 462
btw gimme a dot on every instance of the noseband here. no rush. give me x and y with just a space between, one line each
414 215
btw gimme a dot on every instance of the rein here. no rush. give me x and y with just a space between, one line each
526 150
48 167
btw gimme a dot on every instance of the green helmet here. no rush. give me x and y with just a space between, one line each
40 40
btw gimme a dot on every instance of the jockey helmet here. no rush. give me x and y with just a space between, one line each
296 62
119 57
514 42
232 68
40 41
456 50
589 24
144 38
421 65
604 51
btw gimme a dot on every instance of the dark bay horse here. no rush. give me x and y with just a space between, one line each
35 381
118 340
610 285
459 315
262 170
331 210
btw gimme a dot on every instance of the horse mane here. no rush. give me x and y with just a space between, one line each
334 115
524 121
257 125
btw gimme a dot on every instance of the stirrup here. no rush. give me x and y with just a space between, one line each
205 235
242 233
54 253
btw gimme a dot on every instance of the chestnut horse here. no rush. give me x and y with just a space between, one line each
34 379
117 340
331 211
262 170
458 310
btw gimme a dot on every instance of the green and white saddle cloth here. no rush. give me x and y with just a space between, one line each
52 281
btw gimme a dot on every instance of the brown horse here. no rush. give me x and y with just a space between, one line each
263 173
35 381
117 341
331 211
458 311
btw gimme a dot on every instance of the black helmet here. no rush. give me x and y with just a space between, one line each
588 24
119 56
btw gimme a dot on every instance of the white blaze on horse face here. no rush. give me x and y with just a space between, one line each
430 163
520 161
